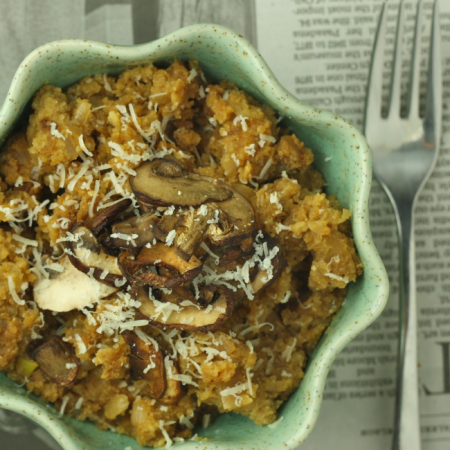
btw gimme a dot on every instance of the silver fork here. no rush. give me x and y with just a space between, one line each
404 152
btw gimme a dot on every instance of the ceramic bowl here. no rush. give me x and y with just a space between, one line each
341 154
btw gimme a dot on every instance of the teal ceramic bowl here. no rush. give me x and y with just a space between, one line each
341 154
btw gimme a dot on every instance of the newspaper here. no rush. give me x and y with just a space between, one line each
320 51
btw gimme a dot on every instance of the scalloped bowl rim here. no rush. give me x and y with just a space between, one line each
12 109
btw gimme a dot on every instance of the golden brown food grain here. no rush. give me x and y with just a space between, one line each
75 158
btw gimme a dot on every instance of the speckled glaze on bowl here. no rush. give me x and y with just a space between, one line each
223 54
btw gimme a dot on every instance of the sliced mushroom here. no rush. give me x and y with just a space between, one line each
141 227
67 288
107 216
173 271
167 223
173 390
236 221
87 255
191 231
147 363
162 182
57 360
175 310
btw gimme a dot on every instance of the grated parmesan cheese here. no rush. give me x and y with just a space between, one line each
27 242
250 149
170 237
242 120
254 328
263 138
82 349
84 168
12 291
287 354
83 146
64 402
276 423
206 420
79 403
192 75
169 441
286 297
338 278
55 132
265 169
106 83
94 197
235 159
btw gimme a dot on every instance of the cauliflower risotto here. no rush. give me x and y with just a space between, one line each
167 253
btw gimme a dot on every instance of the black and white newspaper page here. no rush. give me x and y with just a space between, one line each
320 51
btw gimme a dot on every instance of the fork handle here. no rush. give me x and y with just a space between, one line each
406 434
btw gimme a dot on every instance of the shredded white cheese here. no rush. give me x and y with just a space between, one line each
169 441
12 291
276 423
79 403
337 277
206 420
242 120
64 402
263 138
192 75
286 297
55 132
80 344
287 354
170 237
106 83
83 146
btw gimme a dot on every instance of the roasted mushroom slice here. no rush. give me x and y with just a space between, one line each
147 363
166 224
191 230
107 216
173 271
162 182
133 232
87 255
57 360
173 390
67 288
236 221
177 310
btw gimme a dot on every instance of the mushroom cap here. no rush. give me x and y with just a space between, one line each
159 182
236 221
107 216
177 311
87 255
146 363
68 290
57 360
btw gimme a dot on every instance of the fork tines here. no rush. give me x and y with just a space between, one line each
375 85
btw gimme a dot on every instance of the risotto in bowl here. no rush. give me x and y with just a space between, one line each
185 247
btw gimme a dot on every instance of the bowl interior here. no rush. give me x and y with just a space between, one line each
341 154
